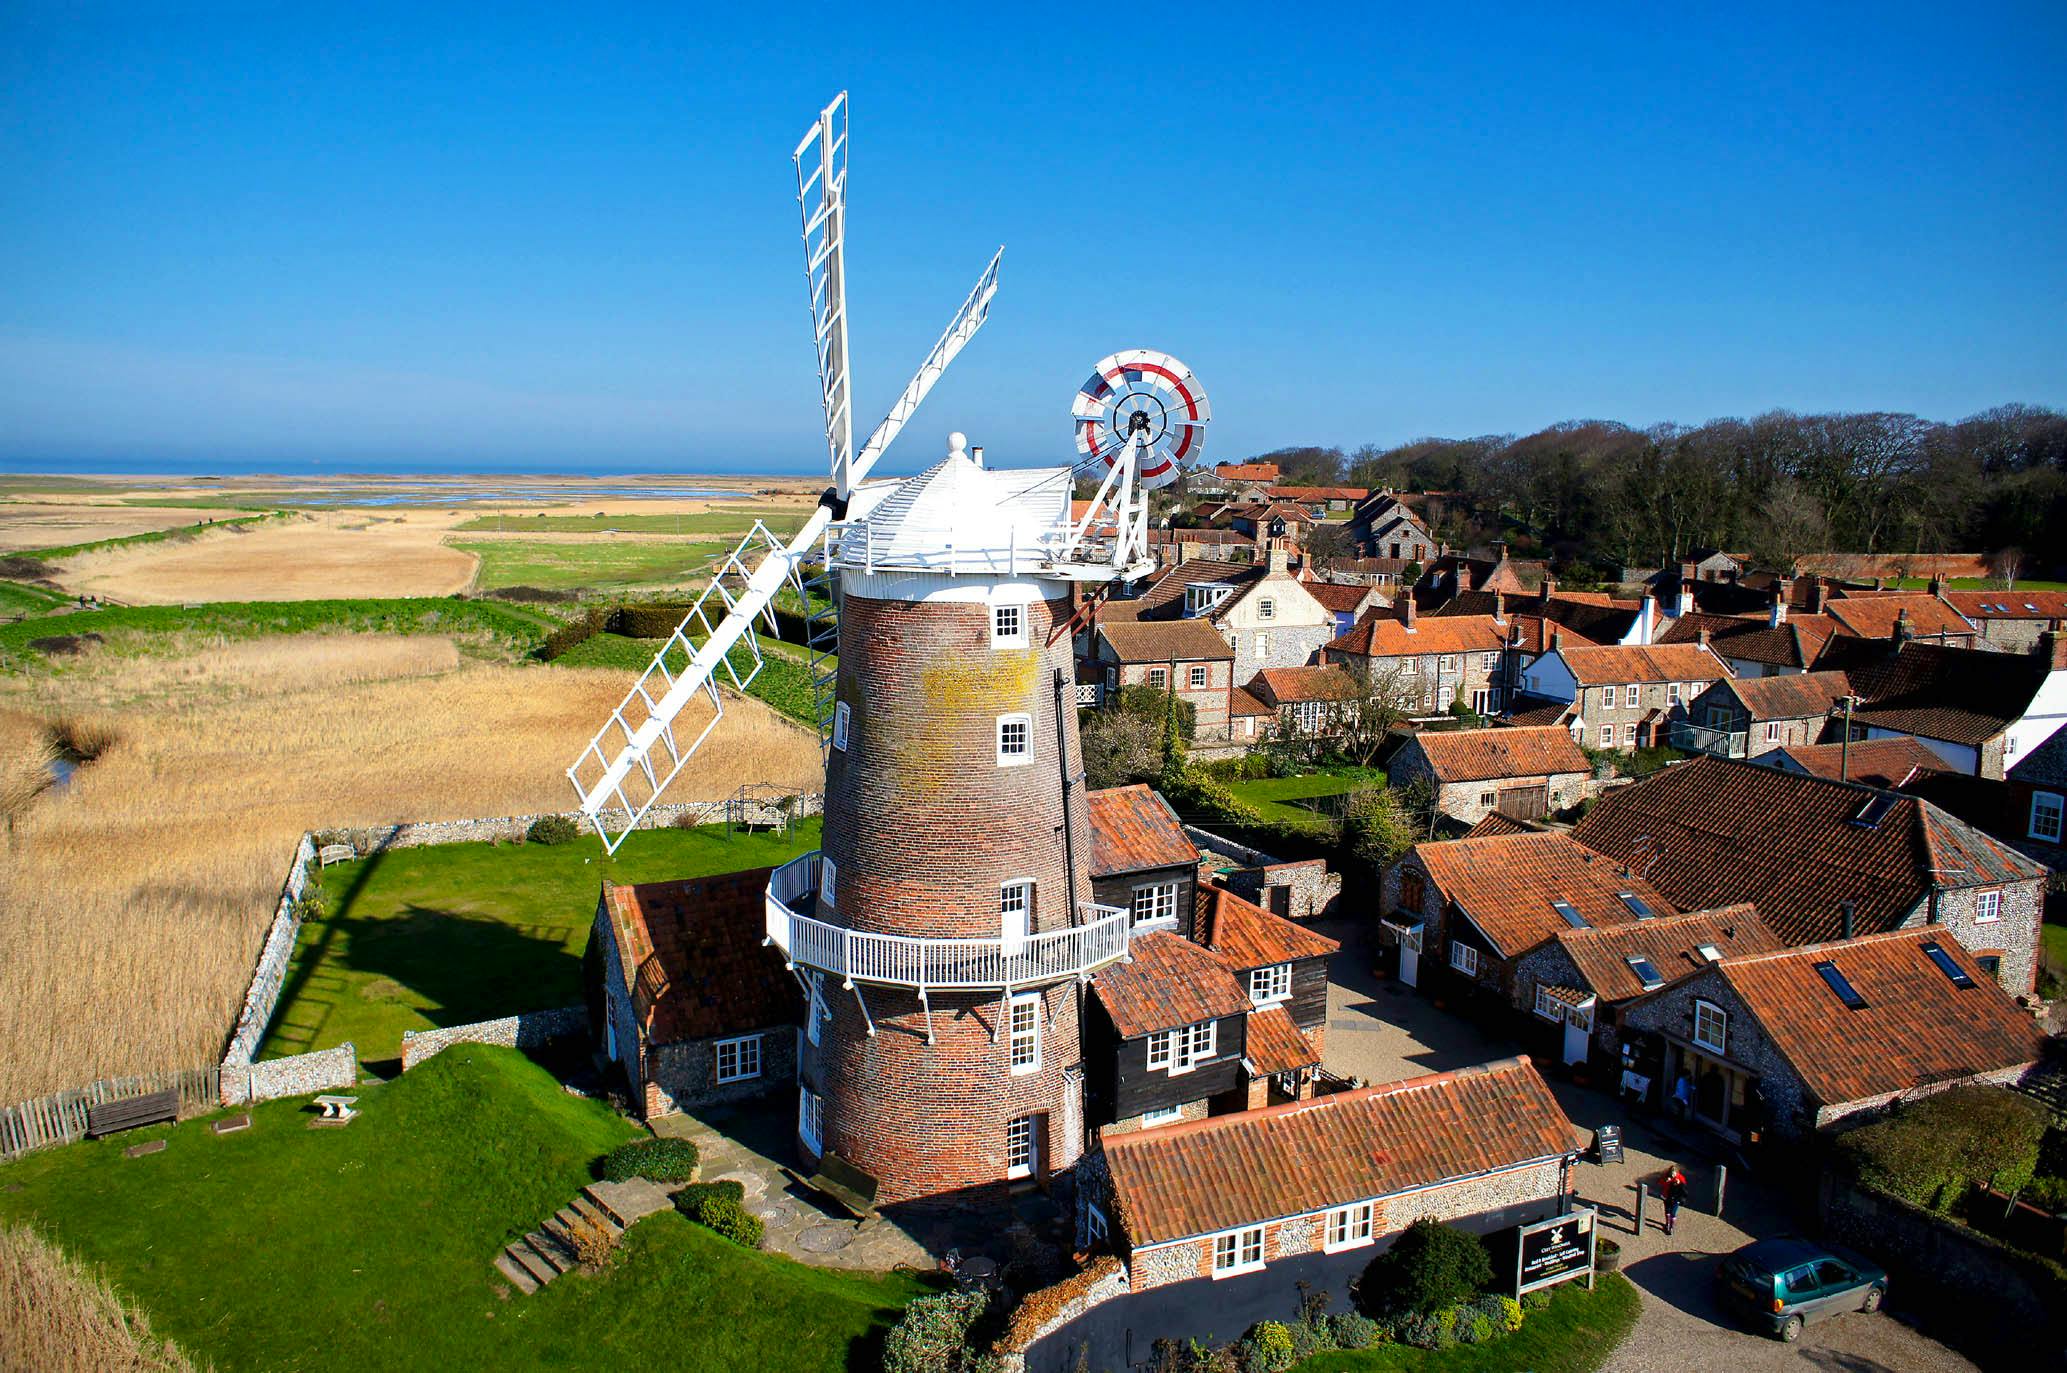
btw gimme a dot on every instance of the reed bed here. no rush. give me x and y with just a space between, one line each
58 1316
133 901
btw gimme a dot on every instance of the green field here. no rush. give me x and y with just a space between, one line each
19 598
1574 1334
784 682
145 629
453 933
724 520
1276 798
370 1247
599 566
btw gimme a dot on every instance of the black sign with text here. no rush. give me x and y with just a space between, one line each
1607 1144
1554 1250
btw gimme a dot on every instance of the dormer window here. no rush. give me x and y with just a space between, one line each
1204 596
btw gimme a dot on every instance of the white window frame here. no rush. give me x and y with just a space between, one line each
1262 643
1095 1228
1186 1047
1165 1115
2057 807
1481 700
1987 906
1548 1006
1672 693
1023 1033
1024 754
842 717
1634 695
1008 626
746 1058
1464 958
1772 731
1157 677
1019 1164
1705 1014
1161 1048
817 1012
1607 736
828 882
1489 661
1268 986
1350 1227
1410 667
1629 734
1238 1251
1159 900
1446 662
1267 608
811 1120
1199 675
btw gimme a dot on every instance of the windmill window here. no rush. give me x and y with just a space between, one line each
1646 973
1987 907
1711 1027
811 1119
828 881
842 717
1015 740
1570 913
1019 1147
739 1059
1025 1034
1841 985
1936 953
1638 907
1008 626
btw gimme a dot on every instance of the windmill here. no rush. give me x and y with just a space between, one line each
637 753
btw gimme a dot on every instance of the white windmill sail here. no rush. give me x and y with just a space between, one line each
633 757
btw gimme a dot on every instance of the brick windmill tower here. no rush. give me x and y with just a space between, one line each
944 934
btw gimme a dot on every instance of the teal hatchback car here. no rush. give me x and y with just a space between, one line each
1779 1285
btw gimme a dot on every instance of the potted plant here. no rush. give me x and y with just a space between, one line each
1607 1255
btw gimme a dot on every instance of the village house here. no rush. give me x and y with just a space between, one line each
1823 860
2009 621
1141 859
1265 613
1280 520
1310 702
1379 572
1265 472
1795 1039
1914 615
1479 906
1283 967
1321 501
2037 810
1485 1148
1622 698
1174 546
694 1009
1755 647
1346 601
1435 662
1890 762
1523 772
1384 527
1451 574
1148 652
1980 711
1301 889
1744 717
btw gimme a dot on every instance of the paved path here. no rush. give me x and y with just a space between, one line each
1380 1032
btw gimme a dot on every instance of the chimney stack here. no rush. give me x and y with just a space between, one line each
1647 615
1499 607
1279 557
1686 596
2053 645
1904 630
1937 587
1778 615
1546 589
1689 571
1557 640
1499 550
1846 912
1407 612
1815 593
1701 639
976 455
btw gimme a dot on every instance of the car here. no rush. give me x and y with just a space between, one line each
1781 1284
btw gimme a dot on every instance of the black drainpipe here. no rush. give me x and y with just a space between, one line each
1069 842
1845 910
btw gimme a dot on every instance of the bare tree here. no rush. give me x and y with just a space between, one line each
1791 525
2006 566
1363 722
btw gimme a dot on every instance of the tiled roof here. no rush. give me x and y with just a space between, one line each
2009 605
1320 493
1162 641
1506 885
1495 823
1529 711
1472 755
1289 685
1133 828
1615 666
1241 701
2044 766
1337 596
1247 471
1247 936
1874 616
1223 536
1790 696
693 959
1377 635
1275 1043
1877 762
1365 567
1961 695
1917 1027
1209 1175
1794 644
1671 943
1169 982
1711 832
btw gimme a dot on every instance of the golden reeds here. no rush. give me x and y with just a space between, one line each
58 1316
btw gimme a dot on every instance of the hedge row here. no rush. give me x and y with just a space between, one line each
654 620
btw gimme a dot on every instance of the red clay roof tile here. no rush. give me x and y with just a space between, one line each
1169 982
1473 755
1506 884
693 959
1133 828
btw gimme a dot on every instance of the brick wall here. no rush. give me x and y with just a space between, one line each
684 1075
1209 702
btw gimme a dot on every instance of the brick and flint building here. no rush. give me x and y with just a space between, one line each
1525 771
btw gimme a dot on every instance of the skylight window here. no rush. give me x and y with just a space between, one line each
1646 972
1571 914
1709 953
1638 907
1846 992
1936 953
1874 811
2030 607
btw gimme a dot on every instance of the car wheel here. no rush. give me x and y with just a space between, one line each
1872 1301
1790 1330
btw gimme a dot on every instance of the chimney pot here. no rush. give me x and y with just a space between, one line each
1499 607
1407 612
1846 911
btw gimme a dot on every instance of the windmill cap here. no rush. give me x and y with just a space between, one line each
957 444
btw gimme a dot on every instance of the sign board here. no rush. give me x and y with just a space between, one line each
1607 1144
1554 1251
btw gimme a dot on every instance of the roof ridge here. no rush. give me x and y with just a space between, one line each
1799 950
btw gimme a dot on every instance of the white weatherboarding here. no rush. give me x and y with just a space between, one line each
1155 410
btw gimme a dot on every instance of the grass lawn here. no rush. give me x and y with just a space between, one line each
1574 1334
784 682
453 933
1276 798
370 1247
601 564
725 520
19 598
2054 938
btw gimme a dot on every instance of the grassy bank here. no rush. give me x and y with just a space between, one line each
724 520
371 1247
1574 1334
60 552
1276 798
454 933
599 565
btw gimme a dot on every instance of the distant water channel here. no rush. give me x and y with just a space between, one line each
469 493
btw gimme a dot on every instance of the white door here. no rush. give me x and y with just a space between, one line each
1409 939
1015 910
1578 1026
1019 1147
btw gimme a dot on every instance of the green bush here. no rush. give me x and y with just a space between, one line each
1267 1348
932 1336
661 1160
567 636
1537 1300
728 1218
1352 1330
1437 1330
1429 1269
724 1189
552 829
1931 1151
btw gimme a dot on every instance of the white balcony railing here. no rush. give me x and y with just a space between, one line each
905 961
1695 738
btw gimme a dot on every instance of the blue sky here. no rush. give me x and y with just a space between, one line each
526 237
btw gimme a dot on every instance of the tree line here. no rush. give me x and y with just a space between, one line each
1780 485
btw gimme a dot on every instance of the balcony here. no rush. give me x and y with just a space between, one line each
934 964
1694 738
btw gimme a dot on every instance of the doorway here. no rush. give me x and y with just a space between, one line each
1578 1029
1408 938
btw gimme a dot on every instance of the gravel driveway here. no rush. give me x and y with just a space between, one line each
1380 1032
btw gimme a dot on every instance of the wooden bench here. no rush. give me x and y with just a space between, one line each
131 1111
854 1190
336 853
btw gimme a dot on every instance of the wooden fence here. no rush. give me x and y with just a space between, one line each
60 1118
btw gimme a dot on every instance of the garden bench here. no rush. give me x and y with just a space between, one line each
336 1107
336 853
854 1190
131 1111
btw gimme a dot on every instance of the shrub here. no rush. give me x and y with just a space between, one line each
1929 1152
1437 1330
567 636
728 1218
1536 1300
1352 1330
1267 1348
592 1243
724 1189
1430 1268
932 1336
1505 1311
551 829
661 1160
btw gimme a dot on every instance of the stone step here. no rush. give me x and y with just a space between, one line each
560 1256
516 1273
560 1225
629 1202
588 1209
537 1267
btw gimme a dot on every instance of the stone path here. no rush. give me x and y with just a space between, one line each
608 1207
